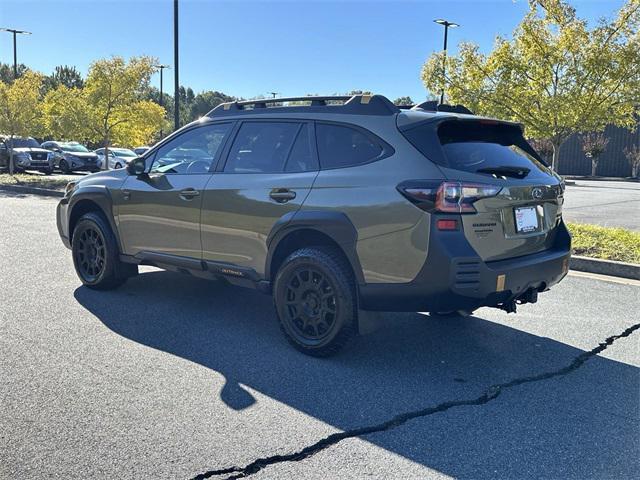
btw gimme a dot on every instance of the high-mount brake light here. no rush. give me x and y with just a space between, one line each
446 197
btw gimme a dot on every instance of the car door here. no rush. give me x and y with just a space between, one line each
159 211
269 170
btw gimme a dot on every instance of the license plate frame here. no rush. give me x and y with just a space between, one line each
526 219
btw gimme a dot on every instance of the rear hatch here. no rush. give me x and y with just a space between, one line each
517 218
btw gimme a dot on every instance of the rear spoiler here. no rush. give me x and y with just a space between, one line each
435 106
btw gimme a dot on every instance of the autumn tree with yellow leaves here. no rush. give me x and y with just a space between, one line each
21 109
555 75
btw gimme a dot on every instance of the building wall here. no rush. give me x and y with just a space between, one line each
612 163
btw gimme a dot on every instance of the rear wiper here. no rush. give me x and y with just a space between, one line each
506 171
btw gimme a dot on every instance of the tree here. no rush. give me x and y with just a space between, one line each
6 71
21 108
204 102
401 101
67 114
633 157
555 75
118 114
64 75
594 145
543 146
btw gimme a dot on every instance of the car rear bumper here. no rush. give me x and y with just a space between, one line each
455 278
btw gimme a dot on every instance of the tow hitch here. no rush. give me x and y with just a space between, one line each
529 296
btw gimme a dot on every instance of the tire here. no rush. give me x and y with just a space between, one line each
96 256
64 167
315 299
48 171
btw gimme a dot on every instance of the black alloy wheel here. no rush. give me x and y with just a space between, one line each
96 255
310 303
91 253
315 298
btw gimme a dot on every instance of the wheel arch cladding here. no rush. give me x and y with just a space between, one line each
91 200
312 228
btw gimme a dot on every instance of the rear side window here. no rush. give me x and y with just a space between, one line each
302 157
477 147
342 146
262 147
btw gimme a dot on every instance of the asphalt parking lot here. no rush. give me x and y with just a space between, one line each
606 203
174 377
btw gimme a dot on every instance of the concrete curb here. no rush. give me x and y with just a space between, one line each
605 267
32 190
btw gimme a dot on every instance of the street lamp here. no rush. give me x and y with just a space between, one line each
15 54
446 24
161 67
273 94
176 93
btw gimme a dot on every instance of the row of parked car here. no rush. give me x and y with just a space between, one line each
65 157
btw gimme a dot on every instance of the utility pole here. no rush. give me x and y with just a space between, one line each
176 102
161 67
15 51
446 24
273 94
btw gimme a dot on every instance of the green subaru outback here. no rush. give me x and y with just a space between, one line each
334 205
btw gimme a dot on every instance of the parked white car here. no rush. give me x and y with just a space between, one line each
118 157
140 150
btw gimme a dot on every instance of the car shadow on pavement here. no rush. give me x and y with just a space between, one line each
582 425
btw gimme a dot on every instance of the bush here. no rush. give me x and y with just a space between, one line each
605 243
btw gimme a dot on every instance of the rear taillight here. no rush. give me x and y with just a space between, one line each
446 197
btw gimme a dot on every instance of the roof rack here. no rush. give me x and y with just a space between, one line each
345 104
434 106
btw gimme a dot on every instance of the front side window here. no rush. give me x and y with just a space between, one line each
192 152
342 146
262 147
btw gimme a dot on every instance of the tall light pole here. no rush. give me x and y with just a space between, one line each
273 94
446 24
15 52
176 93
161 67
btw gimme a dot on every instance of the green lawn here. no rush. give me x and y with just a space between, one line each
606 243
34 180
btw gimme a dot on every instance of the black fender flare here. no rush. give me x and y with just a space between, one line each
335 225
101 196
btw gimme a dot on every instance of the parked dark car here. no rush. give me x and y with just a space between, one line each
27 155
72 156
333 209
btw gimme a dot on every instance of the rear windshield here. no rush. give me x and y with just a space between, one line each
479 147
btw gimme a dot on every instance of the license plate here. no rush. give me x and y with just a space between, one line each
526 219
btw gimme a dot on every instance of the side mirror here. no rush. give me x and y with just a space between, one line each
136 166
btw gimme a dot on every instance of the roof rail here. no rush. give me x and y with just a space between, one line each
434 106
346 104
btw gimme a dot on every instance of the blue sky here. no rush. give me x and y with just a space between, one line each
249 48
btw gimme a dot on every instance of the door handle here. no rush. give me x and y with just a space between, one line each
282 195
189 193
126 194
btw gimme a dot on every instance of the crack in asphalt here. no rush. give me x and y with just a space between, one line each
488 395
